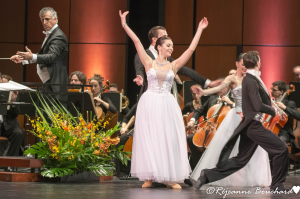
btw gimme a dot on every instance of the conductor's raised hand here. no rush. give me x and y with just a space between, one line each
25 55
123 17
203 23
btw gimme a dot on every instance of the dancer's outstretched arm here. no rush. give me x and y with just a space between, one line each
226 83
178 63
145 58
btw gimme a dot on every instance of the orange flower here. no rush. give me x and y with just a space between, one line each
97 152
90 125
65 128
48 133
82 141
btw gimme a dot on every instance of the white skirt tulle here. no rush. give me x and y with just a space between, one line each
159 151
255 173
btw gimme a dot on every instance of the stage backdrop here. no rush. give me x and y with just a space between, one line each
97 42
268 26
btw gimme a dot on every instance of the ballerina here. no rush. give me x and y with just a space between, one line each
257 171
159 146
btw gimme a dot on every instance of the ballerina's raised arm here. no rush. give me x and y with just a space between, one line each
182 60
145 58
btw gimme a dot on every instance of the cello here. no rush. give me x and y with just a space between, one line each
274 124
215 115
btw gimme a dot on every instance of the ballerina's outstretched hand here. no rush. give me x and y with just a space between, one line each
197 89
203 23
145 58
123 17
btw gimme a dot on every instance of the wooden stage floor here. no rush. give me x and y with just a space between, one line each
126 189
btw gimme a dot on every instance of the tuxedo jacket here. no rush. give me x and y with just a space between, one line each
140 70
292 112
54 56
10 119
254 100
202 111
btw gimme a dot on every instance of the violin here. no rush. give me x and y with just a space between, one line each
190 131
274 124
215 115
98 110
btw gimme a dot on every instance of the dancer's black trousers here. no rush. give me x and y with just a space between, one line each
252 136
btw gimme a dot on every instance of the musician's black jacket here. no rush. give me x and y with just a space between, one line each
202 111
10 119
292 112
111 106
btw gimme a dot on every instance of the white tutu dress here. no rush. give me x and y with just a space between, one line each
159 151
255 173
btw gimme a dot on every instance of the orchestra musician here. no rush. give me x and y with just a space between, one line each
202 111
289 107
296 72
77 78
6 78
193 105
10 128
125 109
105 103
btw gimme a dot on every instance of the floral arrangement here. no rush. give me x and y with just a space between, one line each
70 145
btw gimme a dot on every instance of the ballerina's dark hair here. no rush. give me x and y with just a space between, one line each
160 41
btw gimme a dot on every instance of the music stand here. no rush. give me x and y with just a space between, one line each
295 96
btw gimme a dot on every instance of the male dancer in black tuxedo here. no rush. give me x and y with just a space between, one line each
256 101
53 56
289 107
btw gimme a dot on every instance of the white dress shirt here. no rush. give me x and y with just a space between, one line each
155 53
259 116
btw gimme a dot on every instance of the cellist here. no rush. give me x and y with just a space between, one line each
105 103
289 107
202 111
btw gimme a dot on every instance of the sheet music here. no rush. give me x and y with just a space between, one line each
14 86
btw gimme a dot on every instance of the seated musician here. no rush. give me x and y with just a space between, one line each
289 107
9 128
105 103
202 111
77 78
6 78
127 124
193 105
115 89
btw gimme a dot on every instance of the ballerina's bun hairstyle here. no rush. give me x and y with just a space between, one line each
160 41
250 59
98 78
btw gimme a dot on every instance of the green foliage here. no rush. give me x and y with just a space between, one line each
72 145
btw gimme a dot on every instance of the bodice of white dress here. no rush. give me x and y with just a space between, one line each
236 94
160 81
